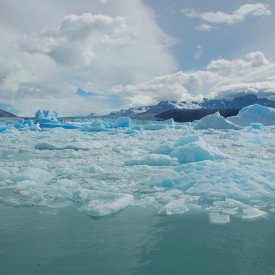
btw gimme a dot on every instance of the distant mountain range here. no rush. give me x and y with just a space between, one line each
189 111
6 114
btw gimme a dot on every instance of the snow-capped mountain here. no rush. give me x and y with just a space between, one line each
237 103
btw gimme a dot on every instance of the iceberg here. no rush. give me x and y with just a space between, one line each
122 122
2 129
49 119
215 121
193 149
197 151
254 114
101 126
27 124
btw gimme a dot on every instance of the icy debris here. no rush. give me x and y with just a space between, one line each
104 203
101 126
231 207
48 146
27 124
3 128
32 173
195 151
189 149
256 126
252 213
187 139
173 207
215 121
122 122
254 114
169 121
155 126
152 160
166 167
216 218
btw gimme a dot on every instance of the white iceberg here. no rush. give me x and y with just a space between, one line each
254 114
215 121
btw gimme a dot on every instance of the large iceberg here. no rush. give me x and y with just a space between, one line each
254 114
49 119
215 121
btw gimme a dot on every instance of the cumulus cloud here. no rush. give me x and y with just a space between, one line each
77 38
119 44
221 78
238 16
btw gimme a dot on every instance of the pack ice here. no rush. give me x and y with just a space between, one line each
222 167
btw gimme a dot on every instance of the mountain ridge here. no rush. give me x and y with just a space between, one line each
168 109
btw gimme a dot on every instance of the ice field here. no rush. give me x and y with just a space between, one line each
102 167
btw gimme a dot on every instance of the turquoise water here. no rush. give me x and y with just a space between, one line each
134 241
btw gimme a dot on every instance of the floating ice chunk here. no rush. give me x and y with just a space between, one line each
154 126
216 218
122 122
186 140
97 126
27 124
256 126
108 203
236 208
164 149
3 129
153 160
102 126
252 213
215 121
170 122
175 207
49 119
48 146
48 115
254 113
32 174
196 151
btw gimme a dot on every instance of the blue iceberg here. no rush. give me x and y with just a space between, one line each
49 119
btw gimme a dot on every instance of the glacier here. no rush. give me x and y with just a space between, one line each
103 166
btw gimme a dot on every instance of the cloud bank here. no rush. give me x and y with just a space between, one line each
121 45
221 78
220 17
116 57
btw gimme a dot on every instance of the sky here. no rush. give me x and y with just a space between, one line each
95 56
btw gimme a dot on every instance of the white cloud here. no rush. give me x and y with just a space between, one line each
78 38
118 54
120 44
204 28
238 16
221 78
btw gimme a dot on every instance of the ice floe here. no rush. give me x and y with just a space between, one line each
215 121
254 114
106 165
